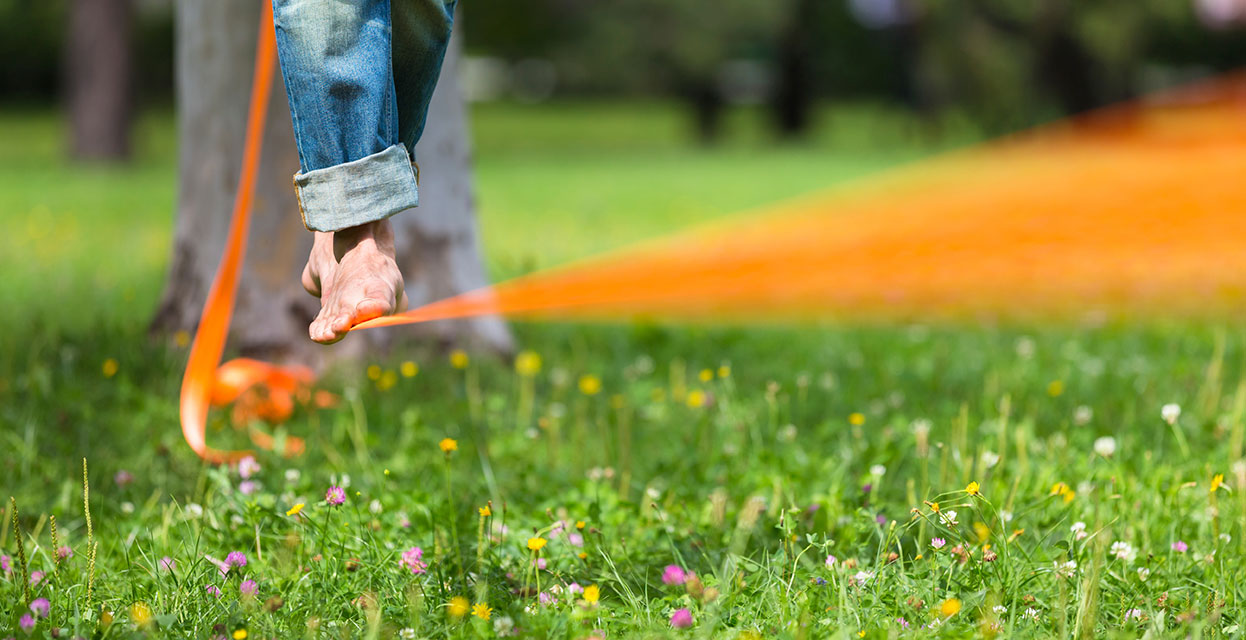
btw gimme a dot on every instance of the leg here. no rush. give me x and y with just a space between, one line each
421 35
355 171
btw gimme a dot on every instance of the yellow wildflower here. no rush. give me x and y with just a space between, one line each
485 511
459 359
949 608
983 532
1217 481
481 610
528 363
240 634
592 593
294 511
706 375
856 419
458 607
973 489
374 372
695 399
140 614
579 524
536 544
581 555
934 506
448 444
1055 388
387 381
181 338
110 367
590 385
409 369
724 371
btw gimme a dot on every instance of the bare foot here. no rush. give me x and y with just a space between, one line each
354 274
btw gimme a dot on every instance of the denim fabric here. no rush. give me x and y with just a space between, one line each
359 75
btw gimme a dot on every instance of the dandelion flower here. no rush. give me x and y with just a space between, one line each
240 634
295 510
140 614
1055 388
528 363
459 359
1217 481
1105 446
448 445
973 489
110 367
695 399
335 495
592 593
681 619
458 607
409 369
949 608
481 610
485 511
674 574
590 385
536 543
856 419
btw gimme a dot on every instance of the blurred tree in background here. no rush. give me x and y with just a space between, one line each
1004 63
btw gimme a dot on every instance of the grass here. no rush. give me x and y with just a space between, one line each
748 456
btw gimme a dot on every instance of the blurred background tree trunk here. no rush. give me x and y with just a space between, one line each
437 243
99 78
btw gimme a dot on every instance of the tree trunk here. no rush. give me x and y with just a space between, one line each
215 58
99 78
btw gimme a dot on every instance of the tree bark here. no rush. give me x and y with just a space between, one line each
436 242
99 78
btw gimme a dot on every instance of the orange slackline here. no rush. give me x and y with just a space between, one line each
204 384
1137 208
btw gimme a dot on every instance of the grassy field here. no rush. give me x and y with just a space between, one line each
614 481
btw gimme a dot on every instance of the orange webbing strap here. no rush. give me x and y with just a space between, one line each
201 383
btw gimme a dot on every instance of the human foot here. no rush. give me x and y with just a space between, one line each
354 274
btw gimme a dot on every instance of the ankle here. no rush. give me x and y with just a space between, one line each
346 239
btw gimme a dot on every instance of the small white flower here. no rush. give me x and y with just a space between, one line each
989 459
407 634
1078 526
862 577
193 510
1226 538
1143 573
128 507
1170 412
999 609
1122 550
1066 569
1031 613
1025 347
949 518
1083 415
1105 446
1133 614
878 470
374 506
504 626
1005 515
787 433
292 476
830 561
921 427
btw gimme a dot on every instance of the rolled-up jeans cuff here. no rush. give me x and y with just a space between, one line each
356 192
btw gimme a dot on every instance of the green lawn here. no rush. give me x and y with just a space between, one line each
749 456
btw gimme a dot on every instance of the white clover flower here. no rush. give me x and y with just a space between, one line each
292 476
1025 347
1122 550
1143 573
1031 614
504 626
1133 614
1226 538
1005 515
407 634
878 470
192 510
127 507
863 577
990 459
1083 415
1105 446
949 518
1078 526
921 427
1066 569
1170 412
374 506
1000 609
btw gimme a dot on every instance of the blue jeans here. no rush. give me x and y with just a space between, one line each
359 75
